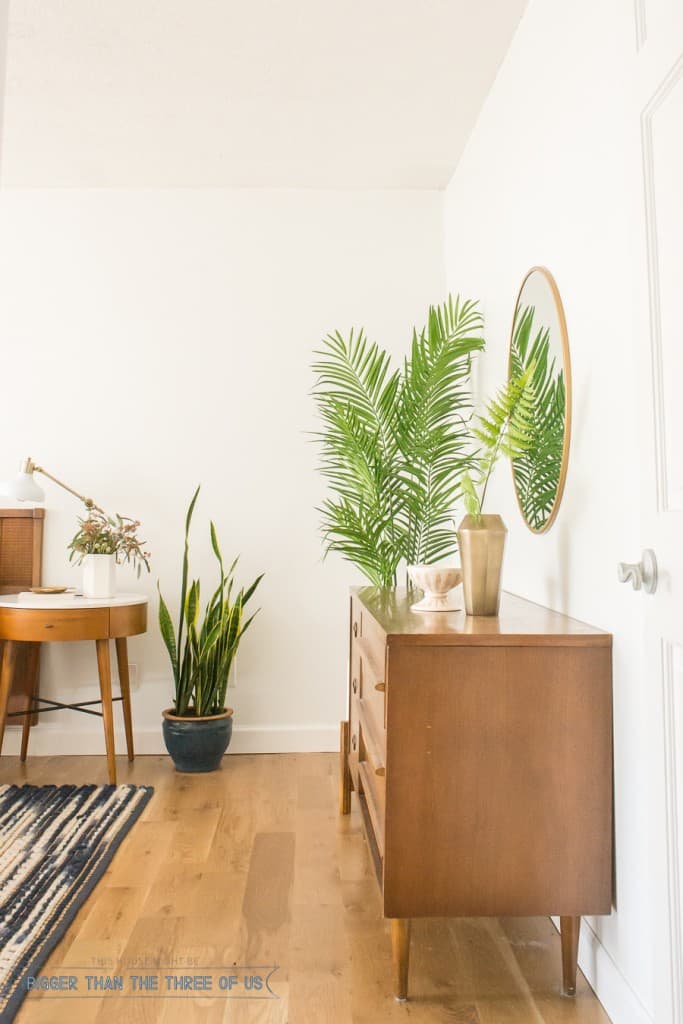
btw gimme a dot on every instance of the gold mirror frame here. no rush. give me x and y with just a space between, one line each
566 362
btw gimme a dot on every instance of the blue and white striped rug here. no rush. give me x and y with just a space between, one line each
55 844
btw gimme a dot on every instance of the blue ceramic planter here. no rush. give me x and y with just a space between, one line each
197 744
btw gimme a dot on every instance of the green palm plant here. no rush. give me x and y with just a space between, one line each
537 470
506 429
395 442
202 654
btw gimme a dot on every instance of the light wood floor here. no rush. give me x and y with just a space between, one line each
251 865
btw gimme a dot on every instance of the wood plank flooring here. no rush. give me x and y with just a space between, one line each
251 865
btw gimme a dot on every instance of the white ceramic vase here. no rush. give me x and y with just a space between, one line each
99 576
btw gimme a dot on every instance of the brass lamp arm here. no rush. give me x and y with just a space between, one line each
28 466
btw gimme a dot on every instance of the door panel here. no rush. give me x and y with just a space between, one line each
659 85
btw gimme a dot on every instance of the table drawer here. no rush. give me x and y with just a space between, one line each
56 624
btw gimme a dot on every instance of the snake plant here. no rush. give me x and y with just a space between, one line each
395 441
202 653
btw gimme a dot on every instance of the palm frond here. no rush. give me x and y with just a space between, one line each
394 442
433 425
537 470
355 391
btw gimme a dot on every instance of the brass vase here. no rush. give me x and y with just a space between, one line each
481 543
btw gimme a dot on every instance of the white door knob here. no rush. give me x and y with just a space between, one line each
642 574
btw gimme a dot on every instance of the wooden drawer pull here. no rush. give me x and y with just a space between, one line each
381 687
354 685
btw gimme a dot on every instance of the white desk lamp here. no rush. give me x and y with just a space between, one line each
24 487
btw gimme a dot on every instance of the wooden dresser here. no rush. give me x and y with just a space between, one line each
480 750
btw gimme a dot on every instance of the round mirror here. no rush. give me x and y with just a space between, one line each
539 337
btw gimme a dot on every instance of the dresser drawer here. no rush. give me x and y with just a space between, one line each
365 629
370 749
354 740
372 692
355 669
372 771
368 795
368 668
356 619
370 630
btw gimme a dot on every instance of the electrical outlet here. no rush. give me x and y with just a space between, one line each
133 675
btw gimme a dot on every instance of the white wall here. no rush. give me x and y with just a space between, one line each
154 340
550 176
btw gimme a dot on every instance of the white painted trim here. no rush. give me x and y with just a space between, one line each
641 23
291 739
669 729
662 441
605 978
51 740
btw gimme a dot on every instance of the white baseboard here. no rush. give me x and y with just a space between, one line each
51 740
293 739
621 1003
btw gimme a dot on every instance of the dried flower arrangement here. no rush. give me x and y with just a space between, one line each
100 534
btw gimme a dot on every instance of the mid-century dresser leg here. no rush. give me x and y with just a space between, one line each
400 948
124 680
9 660
569 931
104 669
344 773
32 669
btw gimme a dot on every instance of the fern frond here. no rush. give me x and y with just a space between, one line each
506 428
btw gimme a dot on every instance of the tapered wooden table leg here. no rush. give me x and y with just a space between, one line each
400 948
104 669
9 660
124 679
344 773
569 931
32 670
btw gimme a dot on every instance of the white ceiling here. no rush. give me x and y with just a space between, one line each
310 93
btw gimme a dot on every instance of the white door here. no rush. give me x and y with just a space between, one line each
659 322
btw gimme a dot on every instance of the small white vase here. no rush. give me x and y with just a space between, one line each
99 576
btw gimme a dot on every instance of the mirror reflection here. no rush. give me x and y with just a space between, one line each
539 336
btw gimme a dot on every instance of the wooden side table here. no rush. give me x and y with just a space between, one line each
73 619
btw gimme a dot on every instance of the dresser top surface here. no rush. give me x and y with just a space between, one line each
520 623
